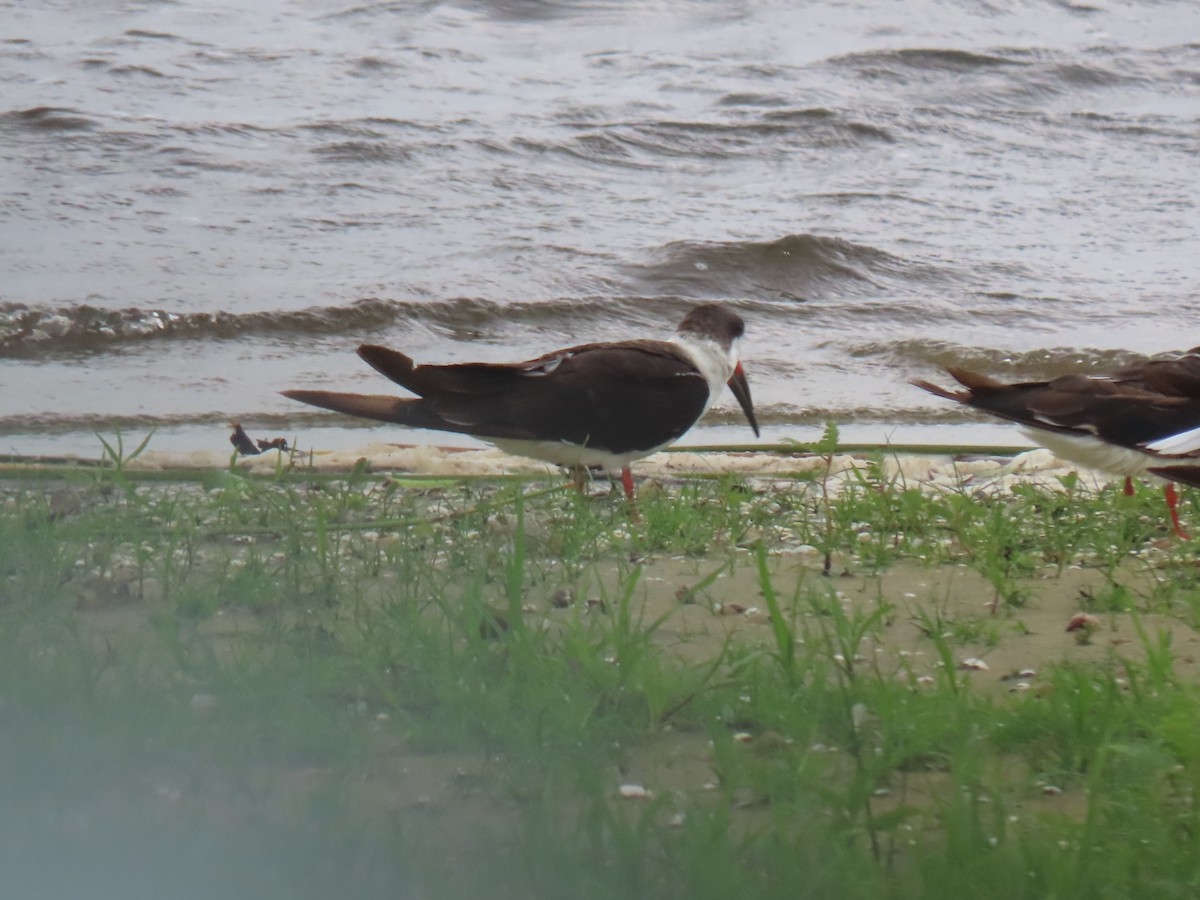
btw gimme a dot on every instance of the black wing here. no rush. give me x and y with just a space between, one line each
619 397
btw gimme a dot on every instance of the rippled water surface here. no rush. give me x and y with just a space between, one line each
203 204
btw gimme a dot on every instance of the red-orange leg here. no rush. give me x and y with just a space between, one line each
627 482
1172 498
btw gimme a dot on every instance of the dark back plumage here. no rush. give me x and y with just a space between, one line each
1131 407
619 397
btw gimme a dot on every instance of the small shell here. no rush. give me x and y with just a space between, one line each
1083 621
1051 790
973 664
858 715
635 792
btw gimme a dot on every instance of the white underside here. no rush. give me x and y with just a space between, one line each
571 455
1094 453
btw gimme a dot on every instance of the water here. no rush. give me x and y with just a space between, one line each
201 205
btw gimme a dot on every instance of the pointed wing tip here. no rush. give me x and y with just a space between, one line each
939 391
392 364
380 407
313 398
377 351
322 399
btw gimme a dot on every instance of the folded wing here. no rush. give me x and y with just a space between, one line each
1130 408
619 398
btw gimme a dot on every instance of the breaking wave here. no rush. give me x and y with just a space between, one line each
790 267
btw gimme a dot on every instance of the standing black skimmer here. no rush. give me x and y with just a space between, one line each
1141 419
592 406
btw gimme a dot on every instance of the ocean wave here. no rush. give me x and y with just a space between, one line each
1009 79
152 35
755 129
369 127
788 128
827 128
362 152
27 332
141 70
919 58
594 147
789 267
1041 364
45 118
132 427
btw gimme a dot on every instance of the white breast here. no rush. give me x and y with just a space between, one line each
715 363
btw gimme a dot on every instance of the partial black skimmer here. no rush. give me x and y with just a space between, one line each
1141 419
593 406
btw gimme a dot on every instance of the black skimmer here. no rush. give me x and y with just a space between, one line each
598 405
1140 419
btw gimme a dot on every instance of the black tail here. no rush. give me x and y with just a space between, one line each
1182 474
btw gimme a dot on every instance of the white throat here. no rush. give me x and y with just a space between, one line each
715 363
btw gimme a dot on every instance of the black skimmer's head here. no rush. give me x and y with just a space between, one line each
598 405
712 336
1143 418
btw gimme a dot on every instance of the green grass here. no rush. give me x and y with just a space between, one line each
304 685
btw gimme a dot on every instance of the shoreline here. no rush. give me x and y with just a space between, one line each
939 465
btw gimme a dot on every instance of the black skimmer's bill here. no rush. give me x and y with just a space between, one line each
598 405
1141 419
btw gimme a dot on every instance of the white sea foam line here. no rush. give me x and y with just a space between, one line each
926 471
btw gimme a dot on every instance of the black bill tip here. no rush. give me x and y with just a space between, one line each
741 390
